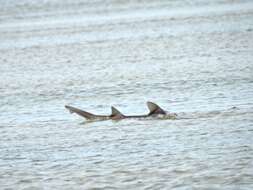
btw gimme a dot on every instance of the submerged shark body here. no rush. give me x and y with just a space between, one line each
154 111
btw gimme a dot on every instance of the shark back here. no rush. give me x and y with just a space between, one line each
154 109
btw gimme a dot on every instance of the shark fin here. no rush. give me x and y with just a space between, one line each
116 114
155 109
82 113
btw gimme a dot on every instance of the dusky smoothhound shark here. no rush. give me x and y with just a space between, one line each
154 111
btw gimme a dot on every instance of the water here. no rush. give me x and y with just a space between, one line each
192 58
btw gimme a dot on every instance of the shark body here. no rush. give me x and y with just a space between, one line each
154 111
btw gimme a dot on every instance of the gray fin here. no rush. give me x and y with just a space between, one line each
82 113
155 109
115 111
116 114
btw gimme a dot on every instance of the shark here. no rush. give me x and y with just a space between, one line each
154 111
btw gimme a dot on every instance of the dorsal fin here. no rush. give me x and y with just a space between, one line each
116 114
115 111
154 109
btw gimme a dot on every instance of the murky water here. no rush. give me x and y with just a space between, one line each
193 58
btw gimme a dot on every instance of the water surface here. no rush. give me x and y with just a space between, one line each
192 58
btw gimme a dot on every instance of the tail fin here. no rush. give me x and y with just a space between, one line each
116 114
155 109
82 113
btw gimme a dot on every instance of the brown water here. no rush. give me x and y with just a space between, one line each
191 58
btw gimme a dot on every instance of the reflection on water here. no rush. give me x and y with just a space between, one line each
191 58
